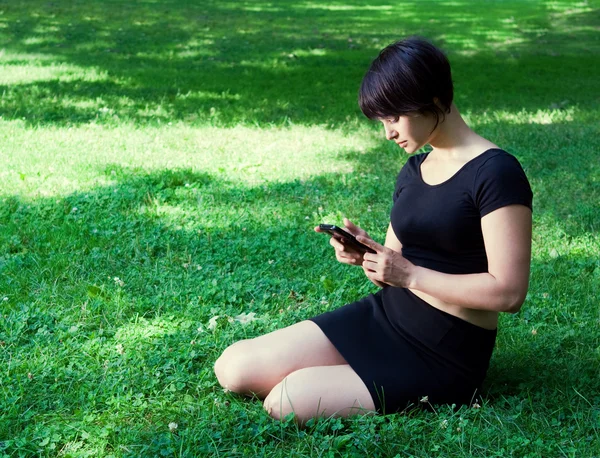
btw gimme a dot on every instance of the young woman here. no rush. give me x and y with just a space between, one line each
456 254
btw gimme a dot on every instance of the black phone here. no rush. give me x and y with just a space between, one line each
345 237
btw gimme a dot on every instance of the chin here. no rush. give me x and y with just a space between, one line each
411 149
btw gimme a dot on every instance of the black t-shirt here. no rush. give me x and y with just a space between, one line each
439 225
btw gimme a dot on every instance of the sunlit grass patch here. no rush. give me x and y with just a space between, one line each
27 68
542 117
23 74
68 160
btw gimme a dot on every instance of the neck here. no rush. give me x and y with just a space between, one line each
452 136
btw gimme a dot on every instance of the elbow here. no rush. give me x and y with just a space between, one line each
513 307
513 302
510 294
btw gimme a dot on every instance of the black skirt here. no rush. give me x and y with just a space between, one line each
409 352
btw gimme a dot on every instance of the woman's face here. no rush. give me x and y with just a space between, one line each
411 132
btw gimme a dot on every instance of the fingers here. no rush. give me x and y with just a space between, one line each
370 243
373 277
340 246
369 265
349 224
335 243
348 259
370 257
353 228
345 254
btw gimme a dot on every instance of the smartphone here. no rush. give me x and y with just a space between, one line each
346 238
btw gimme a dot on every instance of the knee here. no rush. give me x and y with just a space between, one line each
233 367
277 403
290 396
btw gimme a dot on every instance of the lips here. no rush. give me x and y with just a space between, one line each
403 144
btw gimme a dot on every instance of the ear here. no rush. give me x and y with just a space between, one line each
445 109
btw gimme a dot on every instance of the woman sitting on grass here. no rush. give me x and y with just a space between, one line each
457 252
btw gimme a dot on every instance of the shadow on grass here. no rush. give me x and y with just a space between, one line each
263 63
169 218
538 360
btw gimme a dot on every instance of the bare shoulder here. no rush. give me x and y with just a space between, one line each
480 147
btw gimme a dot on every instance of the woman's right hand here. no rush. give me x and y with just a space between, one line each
345 253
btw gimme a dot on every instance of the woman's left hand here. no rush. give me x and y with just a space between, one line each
386 266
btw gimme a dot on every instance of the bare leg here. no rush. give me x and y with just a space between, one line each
320 391
255 366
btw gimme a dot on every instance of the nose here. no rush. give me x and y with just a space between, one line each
390 133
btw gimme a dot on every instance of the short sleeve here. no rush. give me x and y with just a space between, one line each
408 171
400 180
501 181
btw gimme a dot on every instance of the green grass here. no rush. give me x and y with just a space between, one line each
163 163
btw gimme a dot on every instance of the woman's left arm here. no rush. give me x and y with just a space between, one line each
507 237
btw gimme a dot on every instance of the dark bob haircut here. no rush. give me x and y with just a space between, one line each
404 79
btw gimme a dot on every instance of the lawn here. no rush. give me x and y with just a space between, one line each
162 165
